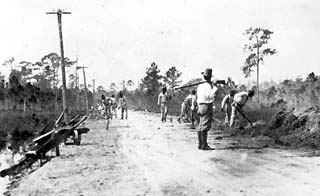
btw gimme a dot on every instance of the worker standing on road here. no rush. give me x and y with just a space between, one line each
106 105
206 93
113 105
226 104
123 106
163 104
239 100
188 107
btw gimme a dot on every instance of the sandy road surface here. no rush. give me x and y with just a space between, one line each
142 156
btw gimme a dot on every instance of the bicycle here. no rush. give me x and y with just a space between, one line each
108 117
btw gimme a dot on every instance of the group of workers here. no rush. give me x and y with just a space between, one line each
197 106
110 106
200 104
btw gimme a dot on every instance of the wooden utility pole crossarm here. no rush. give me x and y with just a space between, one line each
64 100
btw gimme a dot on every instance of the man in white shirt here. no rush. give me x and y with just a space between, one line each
226 104
188 107
206 93
163 104
239 100
123 106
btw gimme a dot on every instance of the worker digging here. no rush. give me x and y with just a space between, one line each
226 106
189 108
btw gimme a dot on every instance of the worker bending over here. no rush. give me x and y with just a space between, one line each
226 106
239 100
189 107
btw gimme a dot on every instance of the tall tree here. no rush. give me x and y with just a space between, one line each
151 82
311 77
26 71
130 83
15 87
258 39
72 81
52 60
172 77
123 85
9 62
51 64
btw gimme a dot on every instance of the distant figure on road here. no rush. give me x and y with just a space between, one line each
106 105
226 104
206 94
163 104
189 107
113 105
240 100
123 106
100 109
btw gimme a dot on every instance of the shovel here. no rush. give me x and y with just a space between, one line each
245 116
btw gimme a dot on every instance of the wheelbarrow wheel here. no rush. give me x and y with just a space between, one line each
107 122
77 138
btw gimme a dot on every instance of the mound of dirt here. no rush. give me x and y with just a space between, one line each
295 129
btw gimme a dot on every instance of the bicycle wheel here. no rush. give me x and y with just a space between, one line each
108 122
77 137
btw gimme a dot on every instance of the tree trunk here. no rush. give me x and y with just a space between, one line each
258 61
55 91
24 105
56 99
85 90
4 103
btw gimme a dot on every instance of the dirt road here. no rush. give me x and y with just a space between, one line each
142 156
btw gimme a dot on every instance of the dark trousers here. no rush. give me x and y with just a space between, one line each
124 110
164 111
205 112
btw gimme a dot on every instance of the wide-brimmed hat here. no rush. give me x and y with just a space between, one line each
207 72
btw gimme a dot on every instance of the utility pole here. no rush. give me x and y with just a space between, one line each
85 87
78 88
93 91
64 99
93 85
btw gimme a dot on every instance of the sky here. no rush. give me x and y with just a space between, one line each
118 39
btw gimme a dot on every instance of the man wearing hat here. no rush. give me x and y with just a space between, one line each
163 104
239 100
206 93
123 106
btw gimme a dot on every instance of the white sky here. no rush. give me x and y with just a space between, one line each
118 39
